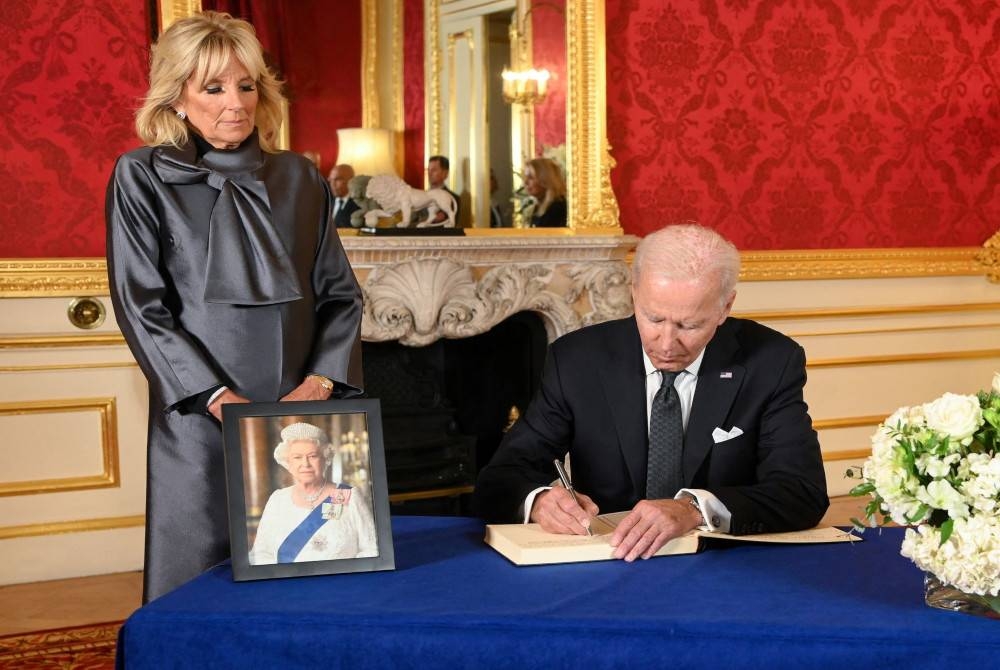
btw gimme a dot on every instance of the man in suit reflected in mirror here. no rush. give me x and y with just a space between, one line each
343 205
438 168
681 414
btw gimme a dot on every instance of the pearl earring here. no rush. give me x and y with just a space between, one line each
181 115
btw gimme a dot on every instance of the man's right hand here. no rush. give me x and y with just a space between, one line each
557 512
227 396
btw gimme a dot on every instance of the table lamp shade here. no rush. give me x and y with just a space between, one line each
368 150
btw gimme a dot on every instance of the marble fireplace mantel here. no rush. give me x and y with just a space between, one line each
420 289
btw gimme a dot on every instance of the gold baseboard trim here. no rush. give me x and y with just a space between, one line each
49 341
110 475
890 359
82 526
892 331
71 277
861 263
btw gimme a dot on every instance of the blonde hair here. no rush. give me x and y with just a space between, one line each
201 47
549 175
689 251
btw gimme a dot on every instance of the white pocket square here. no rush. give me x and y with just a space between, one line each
719 435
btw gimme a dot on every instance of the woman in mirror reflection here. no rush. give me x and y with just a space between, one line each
228 281
543 180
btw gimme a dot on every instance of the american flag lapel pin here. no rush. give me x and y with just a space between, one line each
725 375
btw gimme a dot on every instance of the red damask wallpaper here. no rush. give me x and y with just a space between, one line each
413 92
71 72
808 123
549 51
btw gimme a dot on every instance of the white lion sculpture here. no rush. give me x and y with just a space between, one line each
395 195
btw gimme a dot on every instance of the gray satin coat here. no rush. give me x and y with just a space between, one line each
253 308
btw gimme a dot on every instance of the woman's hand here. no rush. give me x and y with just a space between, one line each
311 388
227 396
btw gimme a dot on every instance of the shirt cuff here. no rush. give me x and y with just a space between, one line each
530 500
716 515
215 395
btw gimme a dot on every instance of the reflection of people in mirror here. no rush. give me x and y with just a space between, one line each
314 519
544 182
343 204
438 168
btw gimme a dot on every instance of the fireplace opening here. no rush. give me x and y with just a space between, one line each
446 406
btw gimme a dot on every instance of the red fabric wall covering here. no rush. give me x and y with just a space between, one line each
71 74
808 124
413 92
324 73
549 52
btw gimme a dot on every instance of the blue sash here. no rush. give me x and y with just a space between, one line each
297 539
302 533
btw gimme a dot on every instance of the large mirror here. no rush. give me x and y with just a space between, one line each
465 116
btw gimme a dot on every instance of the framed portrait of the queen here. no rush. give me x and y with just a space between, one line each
307 488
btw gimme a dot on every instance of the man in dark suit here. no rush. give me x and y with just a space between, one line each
728 444
438 168
343 205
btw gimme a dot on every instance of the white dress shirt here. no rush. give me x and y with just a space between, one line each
716 515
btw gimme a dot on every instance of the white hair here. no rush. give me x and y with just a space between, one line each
689 251
302 432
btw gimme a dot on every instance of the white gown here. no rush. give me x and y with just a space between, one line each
350 536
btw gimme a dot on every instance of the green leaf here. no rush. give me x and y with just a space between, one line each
862 489
858 525
918 515
946 528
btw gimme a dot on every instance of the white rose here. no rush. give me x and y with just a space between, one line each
996 382
958 416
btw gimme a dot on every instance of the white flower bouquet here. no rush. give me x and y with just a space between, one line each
935 468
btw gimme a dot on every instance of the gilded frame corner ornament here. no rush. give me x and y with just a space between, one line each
988 258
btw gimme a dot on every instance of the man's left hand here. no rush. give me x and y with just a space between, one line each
650 525
309 389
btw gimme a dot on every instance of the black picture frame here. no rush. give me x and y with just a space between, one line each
256 482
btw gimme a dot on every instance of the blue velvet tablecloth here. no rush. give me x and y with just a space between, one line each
453 602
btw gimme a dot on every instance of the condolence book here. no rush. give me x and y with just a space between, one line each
528 544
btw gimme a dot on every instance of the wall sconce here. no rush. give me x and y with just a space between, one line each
368 150
525 87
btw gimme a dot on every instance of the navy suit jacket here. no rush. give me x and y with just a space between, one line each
592 404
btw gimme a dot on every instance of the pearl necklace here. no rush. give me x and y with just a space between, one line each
311 499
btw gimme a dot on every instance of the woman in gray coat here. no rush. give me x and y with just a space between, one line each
227 280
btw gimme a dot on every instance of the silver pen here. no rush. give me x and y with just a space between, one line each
568 485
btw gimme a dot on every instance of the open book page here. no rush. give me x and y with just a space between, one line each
819 534
528 544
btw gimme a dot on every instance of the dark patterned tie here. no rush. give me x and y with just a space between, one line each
664 476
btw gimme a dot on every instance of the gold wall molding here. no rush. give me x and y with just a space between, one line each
109 476
859 455
432 78
891 331
171 10
81 526
591 200
67 366
887 359
48 341
860 263
52 277
369 65
871 310
72 277
849 422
